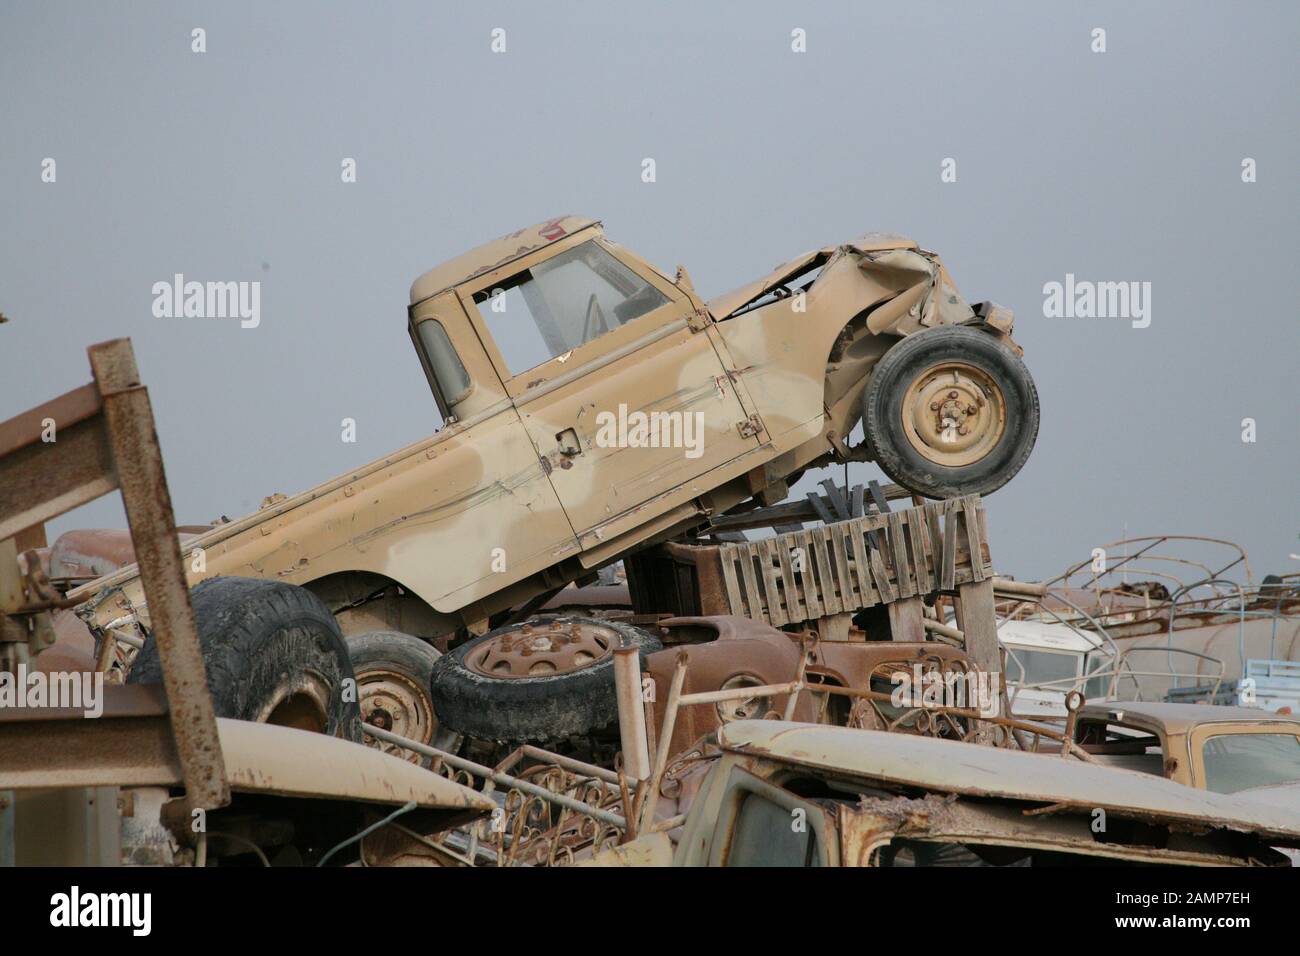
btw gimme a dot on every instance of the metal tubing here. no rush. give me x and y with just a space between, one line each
502 779
665 741
631 713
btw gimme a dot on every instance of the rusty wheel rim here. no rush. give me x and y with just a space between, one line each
954 414
393 702
543 649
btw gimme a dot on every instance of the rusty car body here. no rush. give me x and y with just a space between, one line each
737 652
776 793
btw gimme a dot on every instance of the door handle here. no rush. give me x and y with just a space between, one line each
570 447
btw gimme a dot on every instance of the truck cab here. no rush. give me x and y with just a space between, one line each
571 350
1224 749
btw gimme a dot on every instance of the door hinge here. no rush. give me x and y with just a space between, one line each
750 427
698 320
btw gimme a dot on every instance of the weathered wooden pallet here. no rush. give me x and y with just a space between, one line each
846 566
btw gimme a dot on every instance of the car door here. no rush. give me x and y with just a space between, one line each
619 384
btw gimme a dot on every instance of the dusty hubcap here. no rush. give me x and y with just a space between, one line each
954 414
747 708
394 702
543 649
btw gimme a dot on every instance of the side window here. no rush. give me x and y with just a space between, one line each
450 377
559 304
768 834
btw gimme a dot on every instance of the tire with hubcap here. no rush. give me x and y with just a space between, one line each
950 411
393 673
544 679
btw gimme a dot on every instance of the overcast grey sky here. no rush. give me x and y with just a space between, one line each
225 165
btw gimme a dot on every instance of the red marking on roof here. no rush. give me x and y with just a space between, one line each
552 230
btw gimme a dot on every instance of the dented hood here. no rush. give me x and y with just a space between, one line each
909 267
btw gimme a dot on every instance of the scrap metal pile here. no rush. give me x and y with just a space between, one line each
582 623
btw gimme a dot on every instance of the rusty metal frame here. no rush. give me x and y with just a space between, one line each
676 700
104 440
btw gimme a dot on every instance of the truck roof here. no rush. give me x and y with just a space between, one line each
1046 635
1158 716
498 252
950 766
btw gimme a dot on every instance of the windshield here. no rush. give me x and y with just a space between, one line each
1241 761
559 304
1032 667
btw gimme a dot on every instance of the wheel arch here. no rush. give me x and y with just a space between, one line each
363 601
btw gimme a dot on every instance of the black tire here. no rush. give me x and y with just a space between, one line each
531 709
908 362
273 653
378 653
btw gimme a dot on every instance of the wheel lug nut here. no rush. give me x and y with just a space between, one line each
934 406
952 394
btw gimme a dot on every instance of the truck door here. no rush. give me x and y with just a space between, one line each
624 397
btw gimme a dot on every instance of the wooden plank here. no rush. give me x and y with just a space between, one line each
916 530
729 578
883 587
878 496
836 500
819 506
753 596
807 578
829 599
768 559
850 600
795 609
935 537
970 509
835 563
975 616
729 536
862 568
906 618
948 576
898 546
855 501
